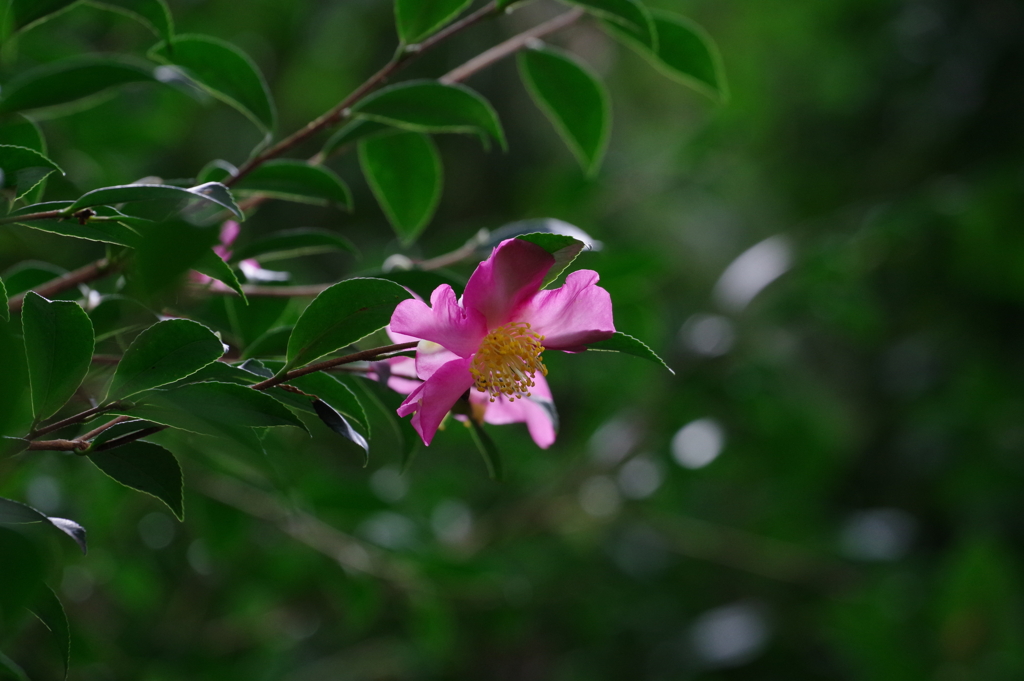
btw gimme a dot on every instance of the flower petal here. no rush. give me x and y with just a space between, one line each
531 411
432 400
569 317
507 280
444 322
430 357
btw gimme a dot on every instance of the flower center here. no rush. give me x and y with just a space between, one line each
507 361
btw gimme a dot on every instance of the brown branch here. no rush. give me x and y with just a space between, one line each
91 272
509 47
29 217
96 431
363 356
57 445
342 110
71 420
130 437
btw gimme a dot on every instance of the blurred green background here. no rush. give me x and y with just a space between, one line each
829 486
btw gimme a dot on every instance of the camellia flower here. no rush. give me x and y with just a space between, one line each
491 341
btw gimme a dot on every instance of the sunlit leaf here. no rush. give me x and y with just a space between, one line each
624 343
404 171
213 192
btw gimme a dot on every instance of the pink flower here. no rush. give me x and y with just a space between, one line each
491 341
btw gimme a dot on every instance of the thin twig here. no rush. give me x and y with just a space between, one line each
96 431
363 356
90 272
71 420
57 445
29 217
509 47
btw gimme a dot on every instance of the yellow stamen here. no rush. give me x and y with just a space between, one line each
507 362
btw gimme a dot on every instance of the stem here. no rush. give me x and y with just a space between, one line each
342 109
71 420
130 437
45 215
57 445
365 355
510 46
90 272
109 424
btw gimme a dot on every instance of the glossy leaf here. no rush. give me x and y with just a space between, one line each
213 266
24 13
17 513
213 192
629 15
622 342
48 608
488 450
572 98
341 315
336 422
69 81
153 14
212 408
354 131
225 72
404 171
145 467
58 344
163 353
299 181
23 168
432 107
417 19
564 248
293 243
107 226
685 52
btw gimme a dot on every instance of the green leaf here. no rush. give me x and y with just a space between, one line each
630 16
225 72
145 467
298 181
13 668
422 282
488 450
564 248
212 408
432 107
22 566
25 13
216 170
685 52
572 98
293 243
5 313
23 168
110 438
213 192
271 343
107 226
417 19
629 345
342 427
404 171
212 265
47 607
116 314
165 253
58 344
354 131
341 315
19 131
153 14
163 353
17 513
70 81
323 386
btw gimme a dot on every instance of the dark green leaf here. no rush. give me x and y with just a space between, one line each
165 352
13 668
216 170
70 81
29 274
629 345
108 225
24 13
536 226
20 131
352 132
17 513
572 98
153 14
165 253
685 52
212 265
564 248
272 343
293 243
341 315
116 314
417 19
432 107
111 435
629 15
5 313
225 72
298 181
422 282
23 168
128 193
326 387
47 607
145 467
58 344
21 565
339 425
488 450
404 172
212 408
